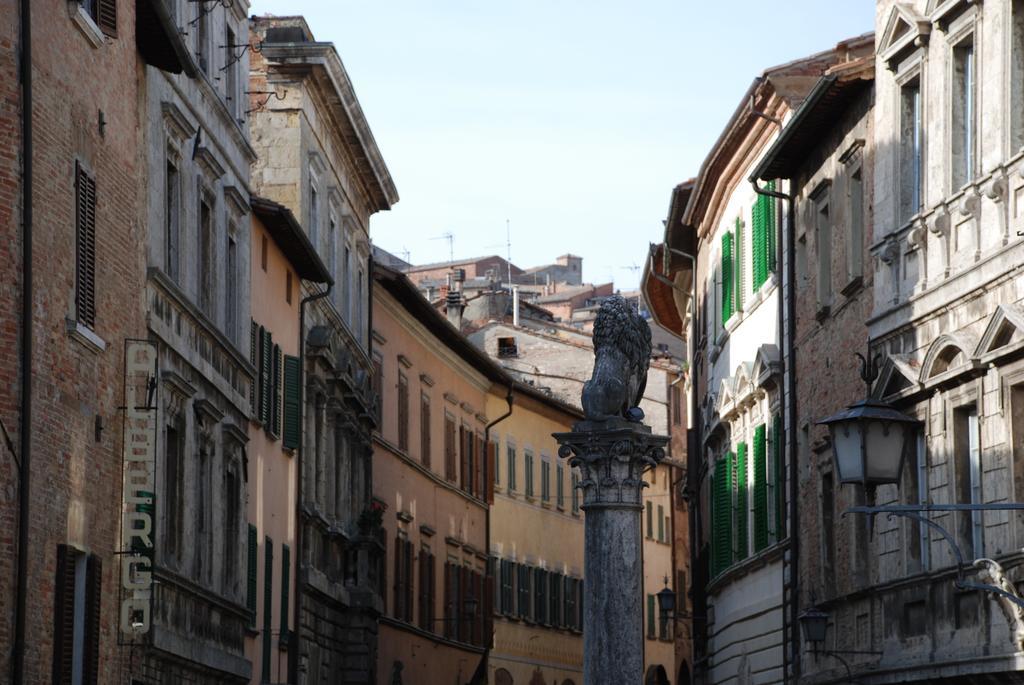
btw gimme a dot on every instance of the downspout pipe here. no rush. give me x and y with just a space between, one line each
787 325
25 425
509 398
293 646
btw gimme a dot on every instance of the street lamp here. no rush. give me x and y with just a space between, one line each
814 624
667 602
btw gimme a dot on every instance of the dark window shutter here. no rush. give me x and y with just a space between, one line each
403 413
780 478
106 17
481 468
85 248
760 490
425 431
93 602
64 615
275 384
741 501
263 370
488 617
251 575
466 447
448 599
431 591
399 592
770 237
254 345
292 401
727 277
409 580
492 470
268 604
286 575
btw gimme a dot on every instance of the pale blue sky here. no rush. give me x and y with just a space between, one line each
572 119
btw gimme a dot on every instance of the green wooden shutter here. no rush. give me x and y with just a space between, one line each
742 506
721 518
760 489
758 248
780 480
265 374
286 575
650 519
738 266
275 400
292 401
727 277
770 230
250 597
650 616
254 346
268 606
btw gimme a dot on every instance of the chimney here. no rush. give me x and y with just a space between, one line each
454 303
515 306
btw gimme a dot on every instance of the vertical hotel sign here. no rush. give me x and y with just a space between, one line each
139 488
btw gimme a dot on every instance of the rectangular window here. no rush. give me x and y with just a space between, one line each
722 530
496 466
378 389
963 126
828 518
911 150
286 575
276 388
528 476
507 587
555 583
231 290
347 285
651 618
677 405
403 583
449 447
560 486
172 216
762 239
855 234
76 630
403 412
575 493
738 250
207 297
507 347
426 594
510 452
268 605
425 430
545 480
823 237
540 596
661 523
649 507
968 480
173 471
332 252
230 72
1016 76
314 218
292 402
103 13
232 522
250 591
288 286
263 252
85 247
466 462
523 591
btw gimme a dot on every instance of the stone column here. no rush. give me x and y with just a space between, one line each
612 455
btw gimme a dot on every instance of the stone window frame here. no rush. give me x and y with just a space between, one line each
964 28
954 400
910 70
233 462
173 156
853 166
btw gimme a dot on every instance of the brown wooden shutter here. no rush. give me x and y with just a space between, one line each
448 599
492 454
425 430
106 17
93 600
479 471
85 249
489 591
397 585
64 615
464 449
408 580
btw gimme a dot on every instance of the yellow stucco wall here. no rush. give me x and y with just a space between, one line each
271 470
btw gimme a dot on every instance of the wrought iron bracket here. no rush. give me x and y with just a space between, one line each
919 513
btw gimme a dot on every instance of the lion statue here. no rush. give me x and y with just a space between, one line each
622 354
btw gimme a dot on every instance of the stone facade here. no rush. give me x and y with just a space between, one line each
197 301
317 157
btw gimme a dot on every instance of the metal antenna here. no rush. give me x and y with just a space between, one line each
405 254
508 242
451 245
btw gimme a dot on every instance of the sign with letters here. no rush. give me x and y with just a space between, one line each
139 489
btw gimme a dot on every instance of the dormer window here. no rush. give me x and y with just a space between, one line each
507 348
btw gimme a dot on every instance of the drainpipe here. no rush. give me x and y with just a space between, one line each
487 530
787 299
25 428
293 647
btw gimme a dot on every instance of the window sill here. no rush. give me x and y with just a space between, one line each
852 286
85 335
85 24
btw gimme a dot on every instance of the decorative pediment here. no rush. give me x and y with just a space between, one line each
905 31
898 377
725 403
950 355
941 12
1003 334
767 366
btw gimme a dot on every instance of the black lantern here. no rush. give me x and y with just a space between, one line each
870 440
666 602
814 624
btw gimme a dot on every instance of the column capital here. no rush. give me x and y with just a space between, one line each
612 456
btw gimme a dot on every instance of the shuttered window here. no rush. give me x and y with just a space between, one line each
545 480
286 579
540 596
528 467
763 237
510 457
572 620
728 304
480 468
575 495
449 447
721 541
523 591
254 348
560 486
275 392
403 412
77 594
556 586
650 618
250 591
378 389
760 489
426 594
425 445
466 453
292 402
661 523
172 211
492 468
739 273
403 583
507 582
266 372
268 605
779 479
106 16
742 506
85 247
